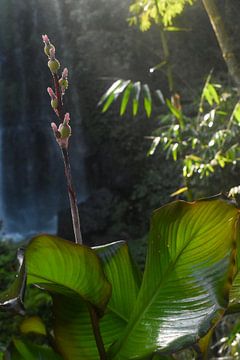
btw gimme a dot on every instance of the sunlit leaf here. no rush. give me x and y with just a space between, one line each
160 96
185 287
154 145
110 91
125 98
175 28
174 151
174 110
179 191
147 100
64 267
237 112
136 94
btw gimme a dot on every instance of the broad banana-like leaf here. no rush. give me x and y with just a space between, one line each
12 298
189 269
61 266
72 326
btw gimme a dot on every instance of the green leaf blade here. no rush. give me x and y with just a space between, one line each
125 98
147 100
186 282
72 326
136 94
64 267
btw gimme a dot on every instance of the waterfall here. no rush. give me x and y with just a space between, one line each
32 184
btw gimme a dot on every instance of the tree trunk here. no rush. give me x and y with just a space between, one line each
224 40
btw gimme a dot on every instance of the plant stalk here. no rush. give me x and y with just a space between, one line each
72 197
224 40
67 168
97 333
165 50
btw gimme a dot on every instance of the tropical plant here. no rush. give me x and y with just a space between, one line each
190 280
206 140
103 307
201 143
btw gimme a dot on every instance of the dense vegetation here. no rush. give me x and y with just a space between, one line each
129 183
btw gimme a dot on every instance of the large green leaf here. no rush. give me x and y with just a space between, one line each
185 287
61 266
72 327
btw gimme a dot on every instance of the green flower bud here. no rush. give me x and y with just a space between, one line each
65 131
63 83
54 66
54 103
47 49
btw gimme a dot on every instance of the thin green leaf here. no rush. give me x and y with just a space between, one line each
173 110
236 112
179 191
174 149
154 145
185 287
147 100
113 87
136 94
160 96
109 101
125 98
177 29
213 93
114 95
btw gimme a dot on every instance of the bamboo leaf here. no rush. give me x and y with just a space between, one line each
112 88
125 98
147 100
136 94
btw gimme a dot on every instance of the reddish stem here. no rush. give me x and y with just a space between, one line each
59 97
72 198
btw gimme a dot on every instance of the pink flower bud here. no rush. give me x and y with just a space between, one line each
52 53
51 93
67 118
54 127
65 73
45 39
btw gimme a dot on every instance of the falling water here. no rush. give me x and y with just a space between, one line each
32 184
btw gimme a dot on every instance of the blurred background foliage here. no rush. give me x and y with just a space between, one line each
193 143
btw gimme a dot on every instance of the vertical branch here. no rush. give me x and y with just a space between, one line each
165 50
224 40
72 197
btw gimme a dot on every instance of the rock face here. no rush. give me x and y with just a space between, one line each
32 179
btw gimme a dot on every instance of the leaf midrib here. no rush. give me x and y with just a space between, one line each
165 277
